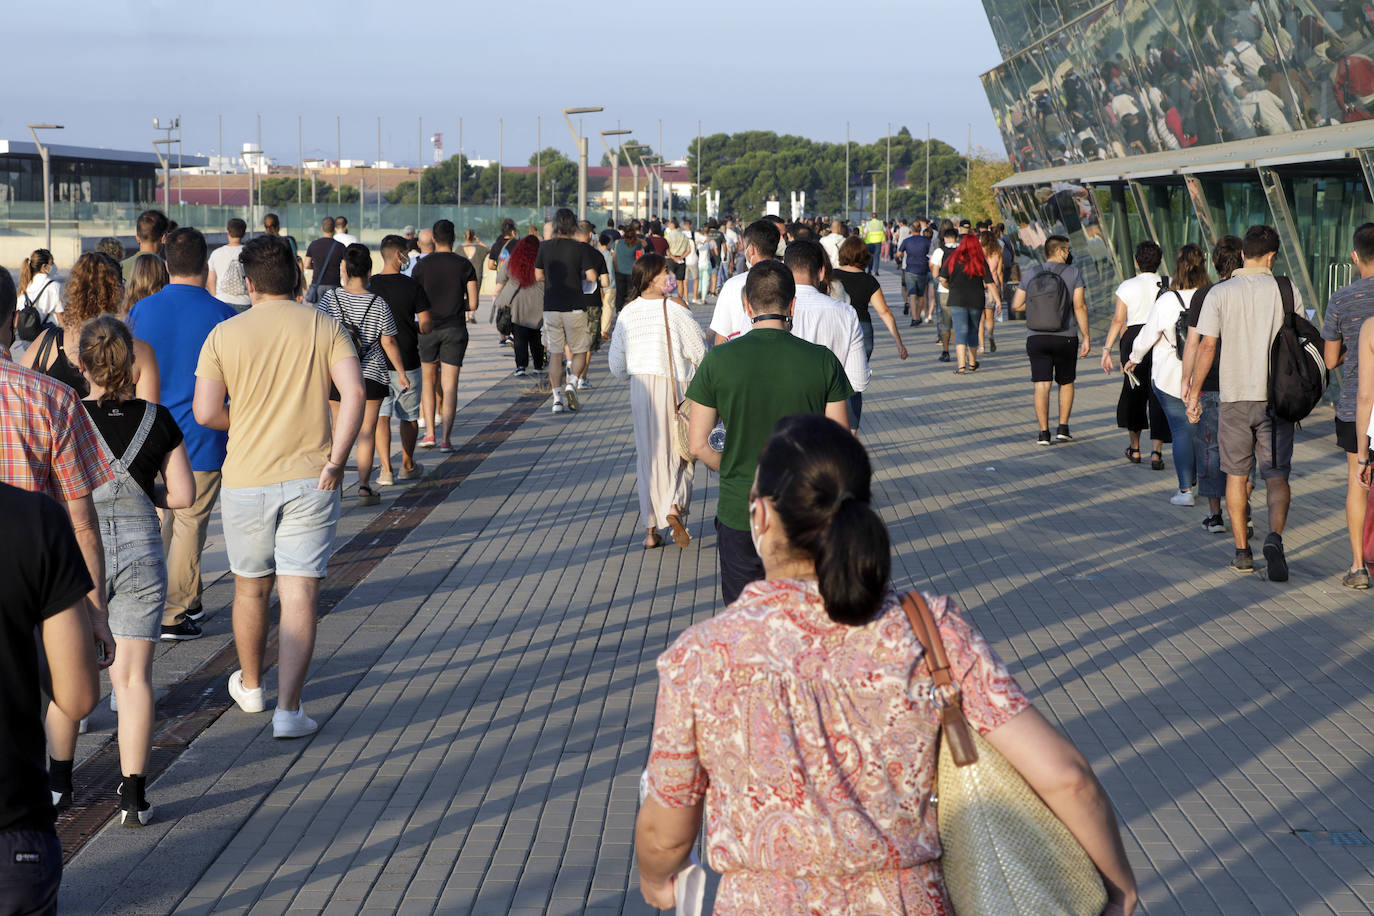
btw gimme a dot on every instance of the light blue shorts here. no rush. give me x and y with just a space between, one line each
403 405
284 528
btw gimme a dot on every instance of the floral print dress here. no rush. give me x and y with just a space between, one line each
814 746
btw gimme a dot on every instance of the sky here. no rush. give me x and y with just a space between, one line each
105 69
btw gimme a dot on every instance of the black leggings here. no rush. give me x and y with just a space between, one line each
622 290
528 342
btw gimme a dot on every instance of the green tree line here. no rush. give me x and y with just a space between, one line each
747 169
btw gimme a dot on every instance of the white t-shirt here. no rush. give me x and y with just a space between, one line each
729 319
344 239
45 294
230 287
834 325
1139 293
831 243
1157 337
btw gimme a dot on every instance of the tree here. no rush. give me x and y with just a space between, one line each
986 169
279 190
629 155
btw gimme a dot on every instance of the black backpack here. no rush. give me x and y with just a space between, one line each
1297 369
355 332
1048 301
29 324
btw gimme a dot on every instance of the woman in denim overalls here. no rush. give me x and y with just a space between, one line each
135 566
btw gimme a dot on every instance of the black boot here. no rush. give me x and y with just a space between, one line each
134 810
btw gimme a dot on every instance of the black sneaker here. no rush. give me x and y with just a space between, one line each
1213 524
1063 434
944 357
134 810
1244 561
1043 438
195 613
61 800
1273 555
187 629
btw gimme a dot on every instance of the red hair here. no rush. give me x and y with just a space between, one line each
969 258
520 266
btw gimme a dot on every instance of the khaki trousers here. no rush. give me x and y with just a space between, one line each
183 537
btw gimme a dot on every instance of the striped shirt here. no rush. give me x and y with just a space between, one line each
47 442
369 315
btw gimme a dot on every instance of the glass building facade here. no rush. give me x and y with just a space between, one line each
1184 121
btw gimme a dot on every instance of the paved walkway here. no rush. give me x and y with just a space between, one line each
487 688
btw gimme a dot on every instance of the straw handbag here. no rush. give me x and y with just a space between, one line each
676 422
1005 852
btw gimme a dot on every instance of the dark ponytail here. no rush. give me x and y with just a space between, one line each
819 479
359 261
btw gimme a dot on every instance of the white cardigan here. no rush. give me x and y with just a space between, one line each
637 346
1157 336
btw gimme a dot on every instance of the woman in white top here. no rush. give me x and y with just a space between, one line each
1138 409
1158 342
38 285
647 327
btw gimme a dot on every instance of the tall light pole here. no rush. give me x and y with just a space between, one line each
654 166
615 172
873 200
846 171
887 179
927 213
47 179
166 157
581 155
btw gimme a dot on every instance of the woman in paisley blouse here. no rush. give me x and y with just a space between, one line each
799 721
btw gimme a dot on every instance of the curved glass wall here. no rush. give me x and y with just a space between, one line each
1084 81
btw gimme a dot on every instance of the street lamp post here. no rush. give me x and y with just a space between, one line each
166 158
615 173
631 148
581 156
47 179
873 195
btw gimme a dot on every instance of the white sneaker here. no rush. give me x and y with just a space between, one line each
581 384
1183 498
114 705
570 396
558 407
248 700
292 724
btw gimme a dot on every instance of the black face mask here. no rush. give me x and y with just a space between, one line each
1069 259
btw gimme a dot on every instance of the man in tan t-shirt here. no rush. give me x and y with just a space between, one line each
280 499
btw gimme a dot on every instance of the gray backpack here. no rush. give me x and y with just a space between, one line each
1048 301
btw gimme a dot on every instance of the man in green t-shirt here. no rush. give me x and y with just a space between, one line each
750 383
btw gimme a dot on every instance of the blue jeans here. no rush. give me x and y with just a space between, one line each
874 250
1176 412
966 325
856 400
1211 482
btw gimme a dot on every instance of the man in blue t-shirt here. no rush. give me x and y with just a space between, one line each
175 323
914 256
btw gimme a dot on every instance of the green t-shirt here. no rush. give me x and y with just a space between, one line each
753 382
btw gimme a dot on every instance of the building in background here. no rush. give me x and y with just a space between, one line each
80 175
1184 121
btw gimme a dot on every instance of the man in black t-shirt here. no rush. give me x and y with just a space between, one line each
450 284
322 258
45 587
568 268
410 308
586 233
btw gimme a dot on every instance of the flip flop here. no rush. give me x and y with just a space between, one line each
680 535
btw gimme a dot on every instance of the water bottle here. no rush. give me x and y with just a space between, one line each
717 438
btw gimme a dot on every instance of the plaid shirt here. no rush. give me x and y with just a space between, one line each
47 442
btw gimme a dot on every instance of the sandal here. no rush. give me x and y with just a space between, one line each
655 541
1157 461
961 371
1133 455
368 497
974 367
681 537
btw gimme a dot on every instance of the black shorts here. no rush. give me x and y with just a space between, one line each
444 345
1053 358
1346 437
372 391
680 270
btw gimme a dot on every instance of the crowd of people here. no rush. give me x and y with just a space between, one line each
143 390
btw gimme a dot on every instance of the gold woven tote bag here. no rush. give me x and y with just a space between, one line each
676 421
1005 852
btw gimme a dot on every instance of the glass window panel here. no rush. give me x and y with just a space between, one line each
1173 217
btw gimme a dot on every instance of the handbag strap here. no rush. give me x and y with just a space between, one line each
668 341
40 359
957 731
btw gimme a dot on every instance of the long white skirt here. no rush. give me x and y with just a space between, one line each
665 480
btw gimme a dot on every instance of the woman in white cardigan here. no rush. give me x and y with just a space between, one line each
1158 340
646 328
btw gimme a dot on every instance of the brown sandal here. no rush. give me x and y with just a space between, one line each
680 535
656 543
